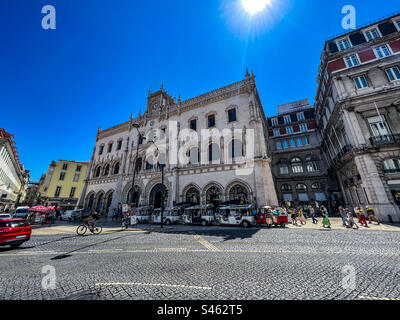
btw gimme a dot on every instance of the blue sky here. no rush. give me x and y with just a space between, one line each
95 69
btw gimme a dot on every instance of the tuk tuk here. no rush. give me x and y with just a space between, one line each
143 214
237 215
267 216
199 214
171 215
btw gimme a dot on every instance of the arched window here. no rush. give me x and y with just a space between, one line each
316 186
97 172
193 196
116 168
286 187
391 166
240 193
297 166
301 187
312 165
106 170
213 194
213 153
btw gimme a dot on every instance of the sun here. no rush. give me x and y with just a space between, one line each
254 6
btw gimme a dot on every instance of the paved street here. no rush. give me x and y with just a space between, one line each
186 262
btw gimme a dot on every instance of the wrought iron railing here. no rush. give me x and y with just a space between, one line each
385 139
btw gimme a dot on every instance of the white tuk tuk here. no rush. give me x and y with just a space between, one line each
237 215
171 215
200 214
143 214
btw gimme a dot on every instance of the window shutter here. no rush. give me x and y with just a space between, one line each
357 38
309 114
293 117
280 120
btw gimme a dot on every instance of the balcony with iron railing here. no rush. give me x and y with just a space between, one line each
345 150
385 139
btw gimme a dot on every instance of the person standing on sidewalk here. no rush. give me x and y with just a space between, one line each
371 215
325 221
293 216
362 219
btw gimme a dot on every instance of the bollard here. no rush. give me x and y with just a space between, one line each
390 219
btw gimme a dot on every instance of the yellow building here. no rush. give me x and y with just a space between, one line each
62 184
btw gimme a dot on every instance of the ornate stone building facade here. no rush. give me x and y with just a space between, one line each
358 115
213 146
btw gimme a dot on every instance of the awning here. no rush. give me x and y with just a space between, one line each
320 197
303 197
287 197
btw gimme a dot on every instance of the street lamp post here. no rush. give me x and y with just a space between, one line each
162 183
135 164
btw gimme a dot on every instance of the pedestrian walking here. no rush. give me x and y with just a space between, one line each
302 219
371 215
293 216
350 219
325 221
343 214
362 219
312 214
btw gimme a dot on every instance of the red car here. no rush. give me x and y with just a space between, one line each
14 232
276 221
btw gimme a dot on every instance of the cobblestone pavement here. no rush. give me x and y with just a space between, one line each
193 262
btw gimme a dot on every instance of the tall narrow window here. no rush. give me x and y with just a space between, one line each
76 177
78 168
287 119
274 121
379 126
62 175
232 115
211 121
119 145
278 145
72 192
65 166
110 147
58 192
101 150
193 124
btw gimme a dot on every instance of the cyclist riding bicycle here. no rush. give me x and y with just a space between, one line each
93 217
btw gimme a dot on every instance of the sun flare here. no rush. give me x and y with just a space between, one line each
254 6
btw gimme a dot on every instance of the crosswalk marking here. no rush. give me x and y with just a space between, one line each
151 285
205 243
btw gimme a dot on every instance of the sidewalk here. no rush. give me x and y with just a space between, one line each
337 224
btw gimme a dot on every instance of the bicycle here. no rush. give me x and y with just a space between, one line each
94 228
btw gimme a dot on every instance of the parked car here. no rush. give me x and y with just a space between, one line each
5 216
14 232
21 212
66 215
80 215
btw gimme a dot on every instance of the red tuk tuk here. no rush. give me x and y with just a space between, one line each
276 220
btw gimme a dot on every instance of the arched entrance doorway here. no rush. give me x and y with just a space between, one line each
109 200
239 193
214 195
155 195
100 202
136 197
90 201
193 196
